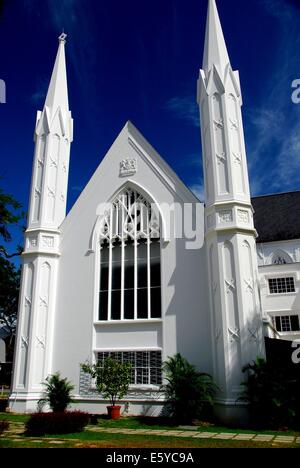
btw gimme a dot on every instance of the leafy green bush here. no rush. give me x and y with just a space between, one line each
273 396
188 392
66 422
112 380
4 425
57 394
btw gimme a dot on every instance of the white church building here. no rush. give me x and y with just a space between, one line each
140 269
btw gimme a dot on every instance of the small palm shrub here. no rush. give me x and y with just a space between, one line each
273 396
66 422
189 393
57 393
4 425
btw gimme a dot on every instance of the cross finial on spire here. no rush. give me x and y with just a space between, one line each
62 37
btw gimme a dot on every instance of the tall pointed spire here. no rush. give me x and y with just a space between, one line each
230 232
58 89
53 137
215 50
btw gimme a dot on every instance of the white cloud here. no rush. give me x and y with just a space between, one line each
273 127
283 10
274 152
184 108
198 190
193 160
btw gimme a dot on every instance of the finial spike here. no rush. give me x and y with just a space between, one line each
63 37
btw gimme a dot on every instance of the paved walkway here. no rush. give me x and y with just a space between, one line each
17 429
200 435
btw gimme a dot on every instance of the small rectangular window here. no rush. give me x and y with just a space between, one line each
287 323
295 323
146 365
281 285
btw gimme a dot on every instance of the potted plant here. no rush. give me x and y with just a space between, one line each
112 381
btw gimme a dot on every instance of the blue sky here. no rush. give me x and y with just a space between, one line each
140 60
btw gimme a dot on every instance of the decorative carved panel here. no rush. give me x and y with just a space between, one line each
225 216
234 334
48 241
128 167
243 216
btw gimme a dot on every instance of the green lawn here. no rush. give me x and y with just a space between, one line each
165 424
14 417
88 439
156 424
105 440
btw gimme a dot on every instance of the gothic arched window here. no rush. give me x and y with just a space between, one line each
130 280
281 258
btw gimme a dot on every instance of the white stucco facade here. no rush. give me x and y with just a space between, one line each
280 260
212 295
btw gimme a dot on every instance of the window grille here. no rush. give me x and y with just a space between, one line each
281 285
287 323
146 365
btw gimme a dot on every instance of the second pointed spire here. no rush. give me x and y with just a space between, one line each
57 95
215 50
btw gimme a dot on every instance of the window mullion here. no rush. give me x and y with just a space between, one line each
135 261
122 277
148 268
122 256
117 220
110 265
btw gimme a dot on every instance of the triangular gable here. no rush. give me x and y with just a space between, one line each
150 156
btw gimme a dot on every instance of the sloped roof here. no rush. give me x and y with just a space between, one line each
277 217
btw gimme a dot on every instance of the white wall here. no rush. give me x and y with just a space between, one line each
185 324
280 304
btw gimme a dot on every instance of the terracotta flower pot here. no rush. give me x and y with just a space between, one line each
114 412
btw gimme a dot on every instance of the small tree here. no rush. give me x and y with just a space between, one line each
112 380
188 392
10 216
57 394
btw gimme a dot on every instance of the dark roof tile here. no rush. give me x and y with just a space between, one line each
277 217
